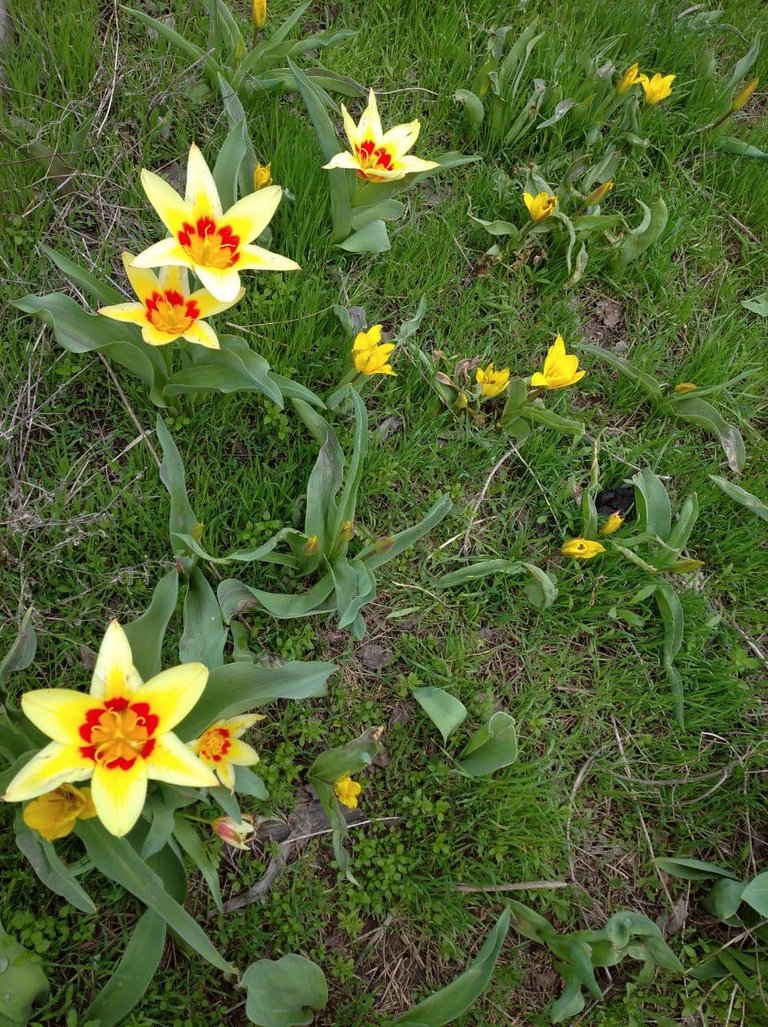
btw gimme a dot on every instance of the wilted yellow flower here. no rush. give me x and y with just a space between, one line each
259 13
560 368
657 88
347 791
462 400
231 832
581 548
370 355
54 814
613 523
540 206
492 383
262 176
744 95
310 546
347 530
686 565
600 192
685 387
628 79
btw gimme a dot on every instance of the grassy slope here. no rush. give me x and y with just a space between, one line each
86 513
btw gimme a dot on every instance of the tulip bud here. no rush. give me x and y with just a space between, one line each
599 193
262 176
743 95
461 400
310 546
231 832
197 531
613 523
686 565
259 13
685 387
347 530
381 545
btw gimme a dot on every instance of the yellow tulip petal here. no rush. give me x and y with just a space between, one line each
114 673
119 796
402 137
58 713
538 380
239 725
413 165
169 206
154 337
241 754
143 280
366 341
350 128
226 774
202 334
251 215
342 160
369 125
174 276
201 194
256 258
130 313
52 766
208 305
172 693
174 762
222 283
88 812
51 816
167 251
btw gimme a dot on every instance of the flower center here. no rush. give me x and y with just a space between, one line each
215 744
371 156
118 733
208 244
171 312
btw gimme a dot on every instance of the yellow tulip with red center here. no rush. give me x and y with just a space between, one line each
167 310
120 736
220 748
379 156
216 245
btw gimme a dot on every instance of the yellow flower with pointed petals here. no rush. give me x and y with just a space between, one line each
379 156
119 736
684 387
613 523
55 814
581 548
370 355
628 79
540 206
560 368
492 383
262 176
167 310
744 95
215 245
220 748
347 791
657 88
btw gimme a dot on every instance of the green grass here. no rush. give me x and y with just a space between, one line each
85 513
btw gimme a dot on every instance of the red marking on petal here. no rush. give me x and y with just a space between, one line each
205 226
118 704
174 298
193 311
144 717
88 752
121 763
148 748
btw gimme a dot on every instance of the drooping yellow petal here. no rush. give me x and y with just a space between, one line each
55 814
208 305
172 693
114 673
167 251
202 334
58 713
129 313
52 766
174 762
251 215
169 206
201 194
119 796
256 258
225 772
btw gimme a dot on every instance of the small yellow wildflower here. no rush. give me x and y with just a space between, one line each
492 383
370 355
560 368
347 791
262 176
54 814
613 523
628 79
540 206
685 387
259 13
657 88
581 548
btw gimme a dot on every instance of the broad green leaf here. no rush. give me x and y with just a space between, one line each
379 553
756 894
354 474
490 748
248 783
232 368
455 999
23 983
642 238
541 587
189 840
476 570
387 210
23 649
182 517
571 1001
685 523
703 414
498 229
757 506
530 924
743 66
101 291
240 687
757 304
543 416
235 597
474 111
284 992
444 710
133 975
204 635
351 758
412 325
653 508
725 898
691 869
146 634
54 874
739 148
117 860
226 171
210 66
372 238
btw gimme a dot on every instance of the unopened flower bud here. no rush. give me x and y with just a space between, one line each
231 832
262 176
347 530
310 546
599 193
259 13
